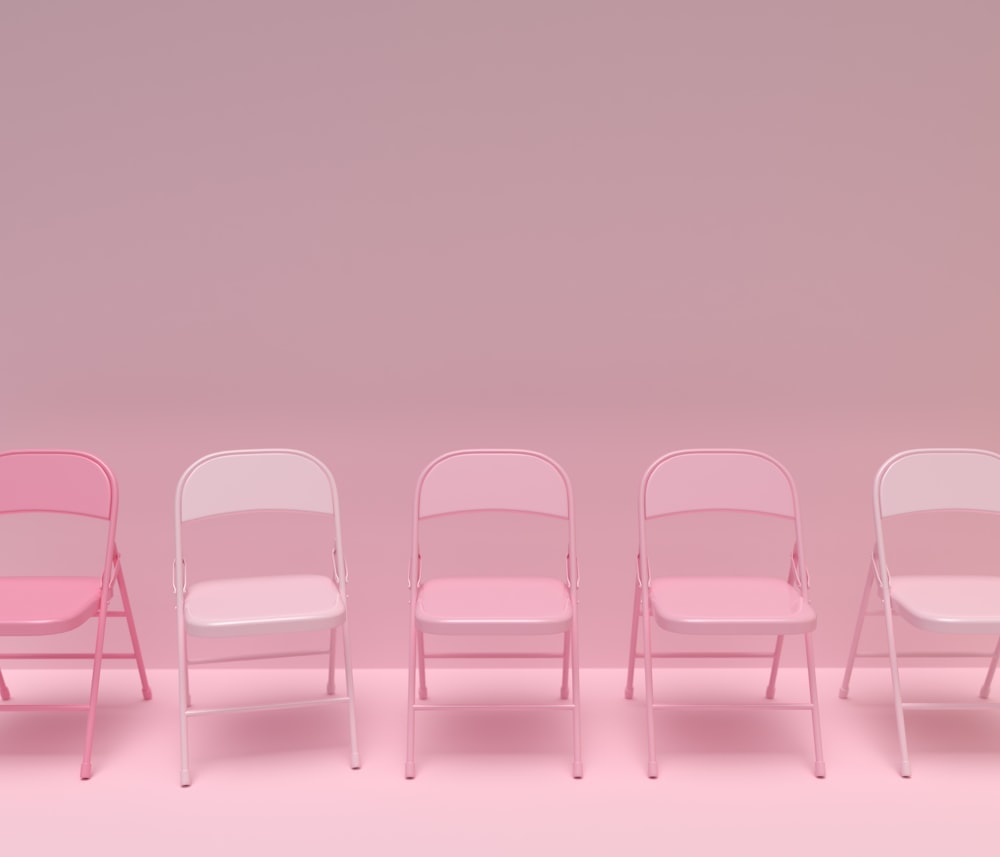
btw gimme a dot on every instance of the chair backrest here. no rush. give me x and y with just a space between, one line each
719 480
928 480
701 480
493 480
62 481
255 480
57 480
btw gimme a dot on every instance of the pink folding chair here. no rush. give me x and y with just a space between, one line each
261 480
493 480
931 480
63 482
721 480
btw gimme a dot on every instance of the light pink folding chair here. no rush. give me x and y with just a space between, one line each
261 480
721 480
931 480
494 480
66 483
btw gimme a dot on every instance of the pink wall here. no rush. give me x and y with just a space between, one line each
379 231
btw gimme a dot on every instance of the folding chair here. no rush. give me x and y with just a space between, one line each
493 480
721 480
64 482
260 480
931 480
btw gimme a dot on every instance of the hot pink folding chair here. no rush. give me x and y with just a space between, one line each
721 480
261 480
931 480
64 482
493 480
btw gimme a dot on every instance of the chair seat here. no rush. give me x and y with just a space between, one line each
34 606
263 605
959 604
494 605
730 605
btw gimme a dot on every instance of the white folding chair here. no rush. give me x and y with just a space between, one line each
931 480
493 480
256 480
721 480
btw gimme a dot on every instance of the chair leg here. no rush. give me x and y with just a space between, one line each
985 692
564 688
184 697
577 741
820 761
410 768
858 626
422 664
647 642
775 660
147 692
897 694
331 680
634 640
4 691
88 744
349 680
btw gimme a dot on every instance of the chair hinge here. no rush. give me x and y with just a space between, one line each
173 579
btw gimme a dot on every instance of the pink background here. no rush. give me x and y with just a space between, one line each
380 231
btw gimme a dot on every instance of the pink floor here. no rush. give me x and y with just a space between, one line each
495 783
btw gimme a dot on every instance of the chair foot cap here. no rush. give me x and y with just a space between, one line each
653 771
769 693
86 769
355 762
423 693
843 693
185 779
904 769
147 693
577 770
820 770
629 693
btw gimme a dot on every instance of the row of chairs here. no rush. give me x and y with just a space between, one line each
679 483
